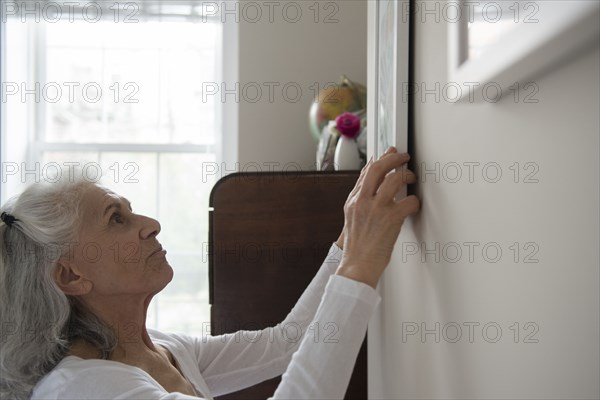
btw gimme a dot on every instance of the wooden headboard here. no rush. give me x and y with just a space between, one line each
269 232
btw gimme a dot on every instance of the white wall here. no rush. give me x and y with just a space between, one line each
559 214
275 134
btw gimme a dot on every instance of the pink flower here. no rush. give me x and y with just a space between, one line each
348 124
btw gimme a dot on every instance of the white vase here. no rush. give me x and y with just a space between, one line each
346 154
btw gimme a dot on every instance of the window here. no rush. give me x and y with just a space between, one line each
124 100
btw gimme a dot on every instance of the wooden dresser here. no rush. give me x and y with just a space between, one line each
269 234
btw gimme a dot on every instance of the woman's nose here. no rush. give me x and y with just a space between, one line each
150 228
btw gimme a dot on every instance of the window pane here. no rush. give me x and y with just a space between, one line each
73 76
133 83
184 72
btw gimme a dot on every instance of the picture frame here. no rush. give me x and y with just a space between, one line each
388 30
524 38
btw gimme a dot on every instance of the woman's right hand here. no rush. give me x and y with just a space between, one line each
373 218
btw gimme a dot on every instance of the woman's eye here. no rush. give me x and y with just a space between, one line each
116 217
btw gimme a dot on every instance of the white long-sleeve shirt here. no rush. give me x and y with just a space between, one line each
315 348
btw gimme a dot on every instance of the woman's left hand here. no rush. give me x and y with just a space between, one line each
340 241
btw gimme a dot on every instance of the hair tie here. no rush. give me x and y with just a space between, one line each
8 219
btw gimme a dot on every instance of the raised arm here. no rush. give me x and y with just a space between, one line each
321 369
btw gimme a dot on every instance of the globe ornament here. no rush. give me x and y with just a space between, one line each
334 100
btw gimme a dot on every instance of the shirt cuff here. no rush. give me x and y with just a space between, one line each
351 288
334 255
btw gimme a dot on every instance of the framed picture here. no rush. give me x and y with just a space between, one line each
497 44
388 75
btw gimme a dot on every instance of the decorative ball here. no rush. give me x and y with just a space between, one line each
335 100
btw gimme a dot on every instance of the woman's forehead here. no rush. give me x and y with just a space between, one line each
97 197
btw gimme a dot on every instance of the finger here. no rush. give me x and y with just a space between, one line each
379 169
409 177
393 182
360 179
390 150
364 169
408 205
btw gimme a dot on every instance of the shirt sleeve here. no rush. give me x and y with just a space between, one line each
326 328
322 366
238 360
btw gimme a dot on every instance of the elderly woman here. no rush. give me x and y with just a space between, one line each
78 269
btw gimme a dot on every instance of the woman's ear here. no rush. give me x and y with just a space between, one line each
69 280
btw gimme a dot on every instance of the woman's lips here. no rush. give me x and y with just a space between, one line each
160 250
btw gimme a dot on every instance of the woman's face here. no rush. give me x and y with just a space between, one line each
117 250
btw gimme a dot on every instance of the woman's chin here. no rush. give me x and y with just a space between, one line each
162 271
171 272
167 270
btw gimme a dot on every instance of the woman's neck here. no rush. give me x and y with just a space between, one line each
126 317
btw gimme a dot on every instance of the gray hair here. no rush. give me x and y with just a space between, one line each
39 322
